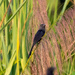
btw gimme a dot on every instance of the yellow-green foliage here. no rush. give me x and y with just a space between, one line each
16 21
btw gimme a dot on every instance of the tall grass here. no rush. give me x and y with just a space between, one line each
15 42
13 35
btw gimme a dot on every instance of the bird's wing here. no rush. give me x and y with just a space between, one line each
39 35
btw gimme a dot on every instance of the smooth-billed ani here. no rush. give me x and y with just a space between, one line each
50 70
38 36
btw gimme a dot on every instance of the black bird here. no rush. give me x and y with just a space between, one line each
50 70
38 36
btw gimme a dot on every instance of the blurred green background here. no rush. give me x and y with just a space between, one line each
16 34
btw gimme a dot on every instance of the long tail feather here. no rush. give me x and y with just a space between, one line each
31 50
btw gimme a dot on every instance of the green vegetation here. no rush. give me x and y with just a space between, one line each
17 27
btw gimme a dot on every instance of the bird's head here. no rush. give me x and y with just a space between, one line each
42 26
50 70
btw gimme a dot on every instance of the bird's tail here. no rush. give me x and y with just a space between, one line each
31 51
